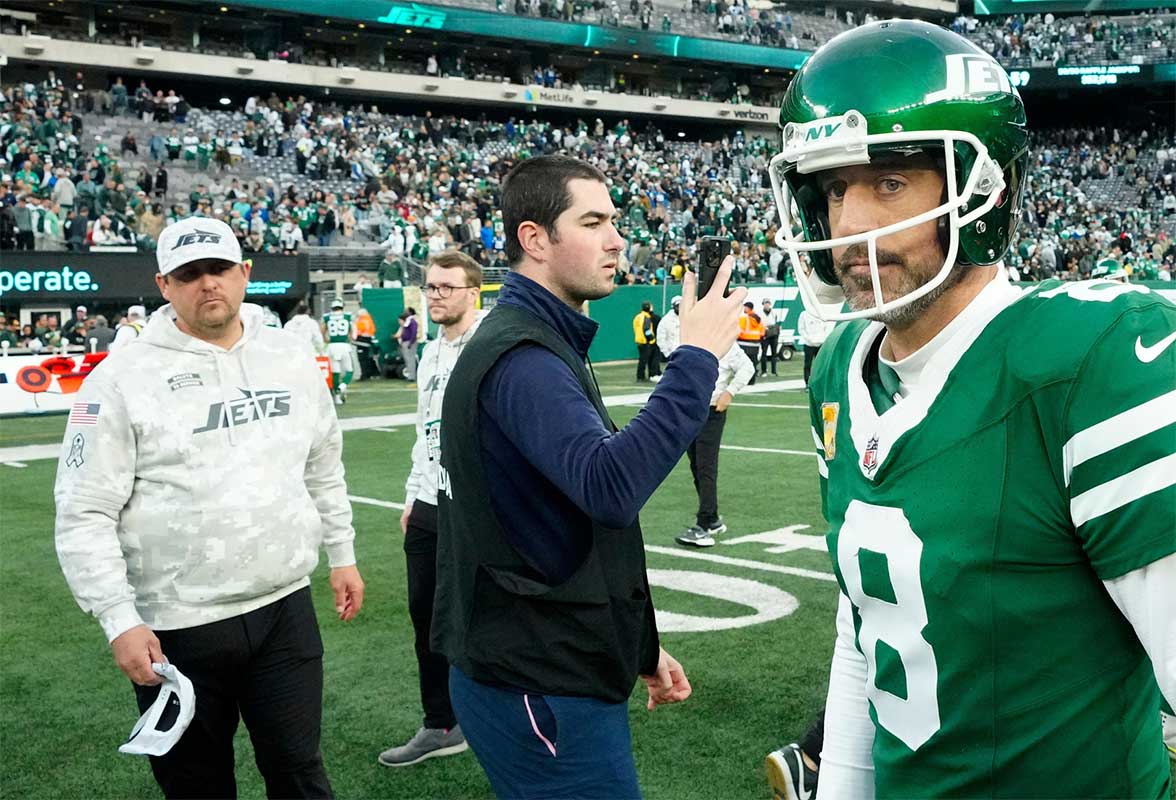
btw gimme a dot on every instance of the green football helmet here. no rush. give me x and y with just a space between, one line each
899 87
1109 269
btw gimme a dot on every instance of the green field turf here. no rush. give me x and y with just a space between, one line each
65 707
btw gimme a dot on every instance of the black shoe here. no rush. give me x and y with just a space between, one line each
788 775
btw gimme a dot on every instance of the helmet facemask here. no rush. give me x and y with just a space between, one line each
973 185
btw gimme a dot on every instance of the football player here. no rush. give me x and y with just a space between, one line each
998 466
340 333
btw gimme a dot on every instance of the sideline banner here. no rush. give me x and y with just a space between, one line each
47 382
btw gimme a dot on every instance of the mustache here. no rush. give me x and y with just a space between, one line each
859 252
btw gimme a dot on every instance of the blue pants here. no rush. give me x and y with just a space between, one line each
537 747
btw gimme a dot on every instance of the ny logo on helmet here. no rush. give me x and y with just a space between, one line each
197 237
825 131
969 74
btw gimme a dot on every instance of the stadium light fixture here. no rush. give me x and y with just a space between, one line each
681 134
224 9
362 25
224 101
408 30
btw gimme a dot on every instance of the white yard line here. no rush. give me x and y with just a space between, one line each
766 405
30 452
741 562
768 450
371 501
40 452
15 464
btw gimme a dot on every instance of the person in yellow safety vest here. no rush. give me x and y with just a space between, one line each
751 332
645 337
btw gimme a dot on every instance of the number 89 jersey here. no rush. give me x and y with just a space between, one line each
972 524
338 327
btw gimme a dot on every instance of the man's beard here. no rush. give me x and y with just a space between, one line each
450 319
859 290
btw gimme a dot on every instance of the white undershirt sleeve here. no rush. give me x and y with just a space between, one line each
847 766
1147 598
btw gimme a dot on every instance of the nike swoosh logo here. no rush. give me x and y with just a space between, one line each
1150 354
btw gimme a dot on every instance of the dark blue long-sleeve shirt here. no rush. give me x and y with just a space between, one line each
548 458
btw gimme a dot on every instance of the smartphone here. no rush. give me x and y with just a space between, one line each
711 252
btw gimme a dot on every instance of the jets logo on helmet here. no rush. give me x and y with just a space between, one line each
969 74
948 100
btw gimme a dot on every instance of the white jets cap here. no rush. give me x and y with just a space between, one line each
147 737
194 238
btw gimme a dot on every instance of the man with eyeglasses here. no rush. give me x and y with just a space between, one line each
200 475
453 283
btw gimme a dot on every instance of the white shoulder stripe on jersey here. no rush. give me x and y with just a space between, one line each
822 468
817 440
1159 474
1118 430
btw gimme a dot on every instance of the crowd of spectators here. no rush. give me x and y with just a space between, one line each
1020 40
291 174
1037 40
1096 193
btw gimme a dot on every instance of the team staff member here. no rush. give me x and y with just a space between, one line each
735 371
543 606
130 328
199 476
669 330
304 328
644 334
453 281
813 331
770 344
751 333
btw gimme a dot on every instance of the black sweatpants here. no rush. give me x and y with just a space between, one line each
810 354
646 353
703 453
420 556
814 739
265 667
769 349
751 350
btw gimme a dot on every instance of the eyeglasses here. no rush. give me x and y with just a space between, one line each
444 290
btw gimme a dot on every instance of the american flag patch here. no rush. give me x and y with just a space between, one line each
84 413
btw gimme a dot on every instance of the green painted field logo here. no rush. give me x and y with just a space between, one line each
46 280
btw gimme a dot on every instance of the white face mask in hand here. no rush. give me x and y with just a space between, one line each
146 738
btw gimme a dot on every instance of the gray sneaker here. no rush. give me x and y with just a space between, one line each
427 743
696 537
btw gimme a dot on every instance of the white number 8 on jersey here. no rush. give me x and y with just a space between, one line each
900 624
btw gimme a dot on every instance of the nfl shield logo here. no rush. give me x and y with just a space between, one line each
870 457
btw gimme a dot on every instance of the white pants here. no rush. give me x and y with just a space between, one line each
340 355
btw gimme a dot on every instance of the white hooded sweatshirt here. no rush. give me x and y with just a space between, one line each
197 483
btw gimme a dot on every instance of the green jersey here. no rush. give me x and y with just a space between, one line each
972 523
338 327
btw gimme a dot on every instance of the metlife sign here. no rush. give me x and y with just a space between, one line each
75 277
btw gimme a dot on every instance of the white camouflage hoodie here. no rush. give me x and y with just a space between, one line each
197 483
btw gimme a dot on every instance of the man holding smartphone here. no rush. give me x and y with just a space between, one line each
543 606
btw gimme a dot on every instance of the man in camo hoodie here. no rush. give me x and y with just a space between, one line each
200 473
